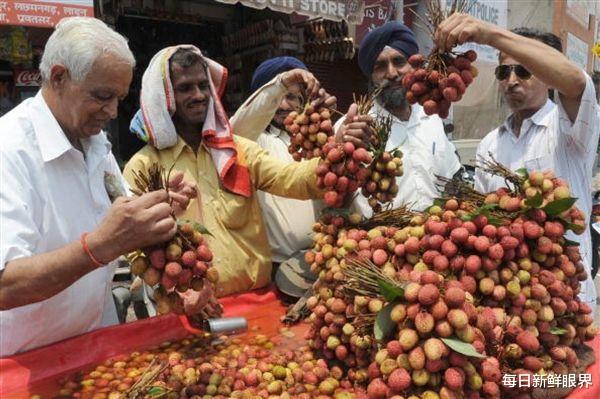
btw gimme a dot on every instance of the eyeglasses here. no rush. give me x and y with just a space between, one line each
503 72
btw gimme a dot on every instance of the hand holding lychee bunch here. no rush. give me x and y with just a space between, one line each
178 266
439 80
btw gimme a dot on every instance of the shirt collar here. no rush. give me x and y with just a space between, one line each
540 118
180 146
275 131
52 139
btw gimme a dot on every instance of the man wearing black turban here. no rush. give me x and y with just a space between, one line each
427 152
288 221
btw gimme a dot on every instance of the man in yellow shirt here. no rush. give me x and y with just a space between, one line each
184 122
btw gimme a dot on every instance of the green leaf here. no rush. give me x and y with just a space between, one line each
156 391
467 218
535 201
559 206
389 291
522 171
384 325
494 221
570 243
462 347
487 207
197 226
202 229
557 331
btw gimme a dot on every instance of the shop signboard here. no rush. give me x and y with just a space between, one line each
43 13
377 13
578 51
335 10
28 78
491 11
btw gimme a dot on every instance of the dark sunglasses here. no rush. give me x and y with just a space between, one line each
503 72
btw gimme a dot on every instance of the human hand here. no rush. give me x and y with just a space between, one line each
131 224
181 192
461 28
300 81
356 129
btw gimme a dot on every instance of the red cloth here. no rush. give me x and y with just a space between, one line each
38 371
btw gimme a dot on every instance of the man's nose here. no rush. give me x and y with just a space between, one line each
391 72
512 78
112 108
200 94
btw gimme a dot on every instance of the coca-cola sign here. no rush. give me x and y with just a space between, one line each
28 78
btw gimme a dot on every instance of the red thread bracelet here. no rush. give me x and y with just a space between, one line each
88 252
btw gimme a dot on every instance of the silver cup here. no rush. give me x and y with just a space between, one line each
227 325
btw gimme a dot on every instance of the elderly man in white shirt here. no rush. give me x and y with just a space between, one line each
539 134
60 233
427 152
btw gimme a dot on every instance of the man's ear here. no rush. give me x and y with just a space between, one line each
59 76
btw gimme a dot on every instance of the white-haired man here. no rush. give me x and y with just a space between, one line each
60 233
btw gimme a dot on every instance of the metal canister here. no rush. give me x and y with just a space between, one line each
226 325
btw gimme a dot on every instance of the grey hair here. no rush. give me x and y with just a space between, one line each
77 42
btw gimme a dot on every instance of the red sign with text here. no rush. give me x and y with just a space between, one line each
42 13
377 13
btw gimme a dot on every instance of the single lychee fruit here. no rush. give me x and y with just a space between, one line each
458 318
424 322
394 349
377 389
434 348
399 380
416 358
454 297
428 294
157 258
408 338
173 269
204 253
459 235
189 258
527 341
454 378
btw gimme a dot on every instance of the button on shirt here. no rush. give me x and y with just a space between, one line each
289 221
427 152
550 141
50 195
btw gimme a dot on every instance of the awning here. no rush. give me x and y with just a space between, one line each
336 10
43 13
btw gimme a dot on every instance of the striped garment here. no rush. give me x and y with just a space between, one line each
153 122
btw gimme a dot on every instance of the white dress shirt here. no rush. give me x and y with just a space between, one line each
289 221
426 152
50 194
550 141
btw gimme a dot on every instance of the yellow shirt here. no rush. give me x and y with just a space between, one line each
240 247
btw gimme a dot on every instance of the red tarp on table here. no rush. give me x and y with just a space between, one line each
21 374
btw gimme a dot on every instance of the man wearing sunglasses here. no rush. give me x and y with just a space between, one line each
540 134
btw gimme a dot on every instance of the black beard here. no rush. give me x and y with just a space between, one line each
393 98
390 97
